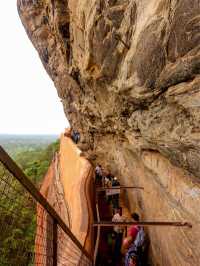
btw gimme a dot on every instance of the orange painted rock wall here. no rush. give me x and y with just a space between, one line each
76 177
67 186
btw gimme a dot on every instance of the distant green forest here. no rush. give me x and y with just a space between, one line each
35 162
18 216
15 144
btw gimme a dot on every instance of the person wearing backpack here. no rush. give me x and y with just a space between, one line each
140 245
136 242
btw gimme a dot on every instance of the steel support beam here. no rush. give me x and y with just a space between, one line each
118 187
143 223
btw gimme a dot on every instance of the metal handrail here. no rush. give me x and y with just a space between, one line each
99 189
31 188
143 223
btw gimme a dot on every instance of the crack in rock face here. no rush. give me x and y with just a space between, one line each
128 75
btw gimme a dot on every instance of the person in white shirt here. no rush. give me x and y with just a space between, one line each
118 231
98 174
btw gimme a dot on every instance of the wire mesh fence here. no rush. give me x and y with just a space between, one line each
29 233
68 252
17 221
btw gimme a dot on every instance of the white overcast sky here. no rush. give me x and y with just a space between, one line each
28 99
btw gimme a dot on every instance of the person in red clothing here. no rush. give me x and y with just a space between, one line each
133 230
132 233
129 241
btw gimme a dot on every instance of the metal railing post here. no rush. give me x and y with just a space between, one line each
55 242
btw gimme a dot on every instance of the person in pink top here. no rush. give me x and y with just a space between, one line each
133 230
129 240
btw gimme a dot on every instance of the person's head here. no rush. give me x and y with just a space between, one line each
135 216
118 210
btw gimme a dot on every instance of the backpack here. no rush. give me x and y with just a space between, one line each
131 254
140 239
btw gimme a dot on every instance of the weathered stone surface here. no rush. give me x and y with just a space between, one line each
128 76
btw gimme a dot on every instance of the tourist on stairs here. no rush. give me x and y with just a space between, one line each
115 197
135 243
75 136
118 233
98 175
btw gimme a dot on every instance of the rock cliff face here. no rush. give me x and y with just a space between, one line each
127 72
